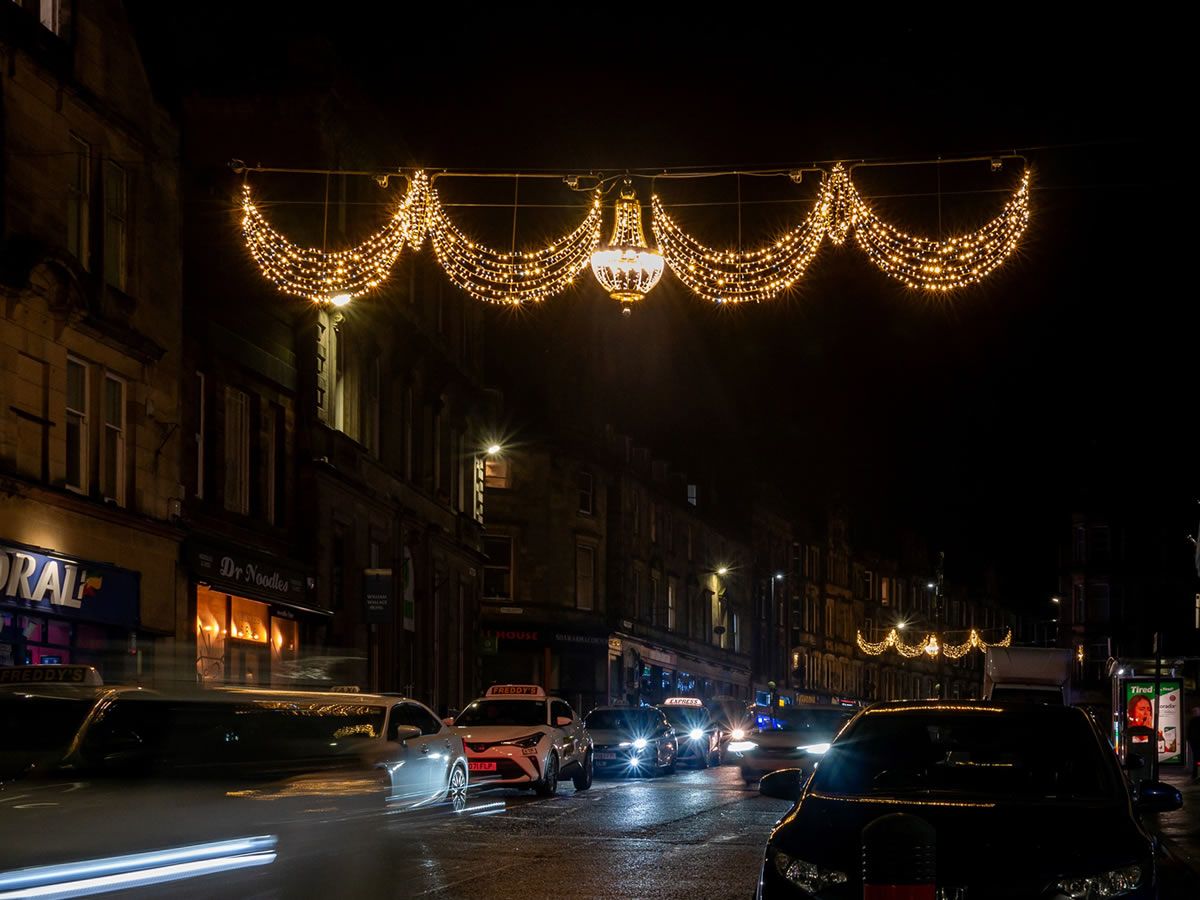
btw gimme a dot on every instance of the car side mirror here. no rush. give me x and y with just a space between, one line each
406 733
1156 797
1133 761
449 720
784 784
562 721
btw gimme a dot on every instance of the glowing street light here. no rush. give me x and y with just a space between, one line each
723 570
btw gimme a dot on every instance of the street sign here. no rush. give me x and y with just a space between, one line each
377 596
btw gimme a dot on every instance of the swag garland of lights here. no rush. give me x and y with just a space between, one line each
627 268
929 645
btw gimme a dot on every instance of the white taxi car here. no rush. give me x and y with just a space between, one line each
516 736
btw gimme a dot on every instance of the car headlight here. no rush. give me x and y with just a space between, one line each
1109 884
815 749
640 744
738 734
805 875
529 741
696 733
741 746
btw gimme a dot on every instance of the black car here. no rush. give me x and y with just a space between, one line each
697 735
1025 801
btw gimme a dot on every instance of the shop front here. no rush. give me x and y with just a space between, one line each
644 674
254 622
59 610
569 663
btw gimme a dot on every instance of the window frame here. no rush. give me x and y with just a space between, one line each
489 565
118 495
242 452
84 425
116 239
582 547
79 201
587 508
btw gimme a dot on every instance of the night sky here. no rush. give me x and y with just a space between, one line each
1067 378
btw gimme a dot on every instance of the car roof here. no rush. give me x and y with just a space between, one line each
1003 706
70 691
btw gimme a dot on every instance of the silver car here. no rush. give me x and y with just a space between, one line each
793 738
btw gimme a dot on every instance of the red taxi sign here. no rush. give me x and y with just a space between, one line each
86 676
683 701
515 690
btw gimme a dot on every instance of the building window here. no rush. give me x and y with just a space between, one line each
116 189
112 468
737 633
237 451
497 571
273 476
689 542
1100 543
50 15
692 495
586 498
637 512
1078 604
497 473
1198 611
77 424
653 521
868 585
672 588
637 594
585 577
1097 592
79 201
885 592
201 431
655 596
1079 545
813 562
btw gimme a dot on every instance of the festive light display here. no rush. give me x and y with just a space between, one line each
627 268
516 277
929 645
333 277
728 276
940 265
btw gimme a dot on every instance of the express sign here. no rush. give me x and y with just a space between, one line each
68 587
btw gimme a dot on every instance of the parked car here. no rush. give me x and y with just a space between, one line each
516 736
697 736
633 740
792 737
1024 800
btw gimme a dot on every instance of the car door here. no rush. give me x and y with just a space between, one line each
401 756
574 738
430 752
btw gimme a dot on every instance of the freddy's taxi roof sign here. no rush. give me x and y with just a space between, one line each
85 676
683 701
516 690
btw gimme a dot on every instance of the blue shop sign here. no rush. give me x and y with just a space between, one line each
61 586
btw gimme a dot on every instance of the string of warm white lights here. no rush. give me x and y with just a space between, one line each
730 276
929 645
516 277
339 276
627 268
940 265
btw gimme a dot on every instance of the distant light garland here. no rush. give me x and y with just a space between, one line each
513 278
929 645
940 265
729 276
341 275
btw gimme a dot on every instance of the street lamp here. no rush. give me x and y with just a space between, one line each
494 449
723 570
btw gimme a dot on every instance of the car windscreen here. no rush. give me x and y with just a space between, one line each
627 720
38 724
503 712
984 752
686 717
816 722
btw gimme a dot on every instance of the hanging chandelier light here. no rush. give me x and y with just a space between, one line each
626 267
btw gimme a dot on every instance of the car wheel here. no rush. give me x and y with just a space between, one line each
548 785
583 780
456 784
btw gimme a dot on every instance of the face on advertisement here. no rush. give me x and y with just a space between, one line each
1141 711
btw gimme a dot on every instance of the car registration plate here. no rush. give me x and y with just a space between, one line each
606 756
482 766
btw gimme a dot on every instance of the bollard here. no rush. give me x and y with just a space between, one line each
899 858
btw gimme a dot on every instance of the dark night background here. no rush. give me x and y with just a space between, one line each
982 421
